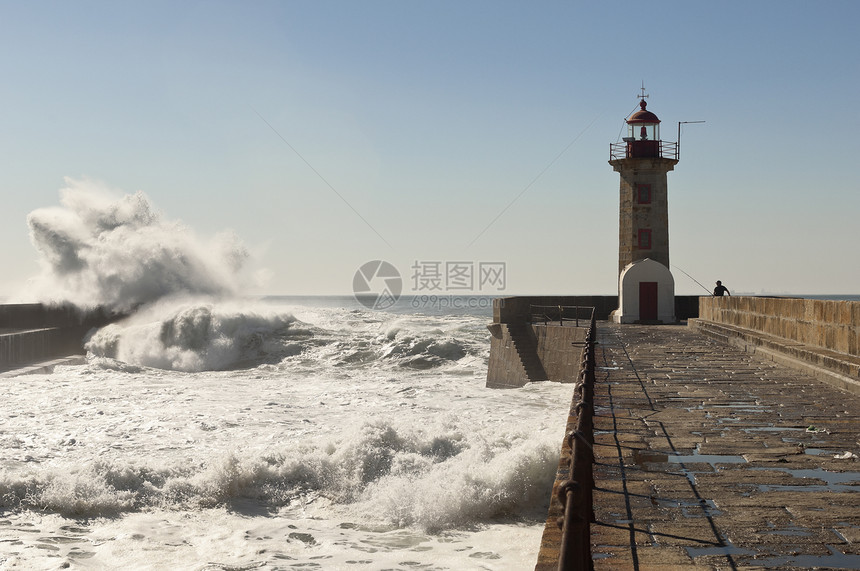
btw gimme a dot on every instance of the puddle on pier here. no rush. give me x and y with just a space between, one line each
833 481
685 465
811 451
712 459
821 474
648 457
835 454
772 428
836 560
724 550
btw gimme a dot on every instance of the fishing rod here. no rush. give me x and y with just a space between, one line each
691 277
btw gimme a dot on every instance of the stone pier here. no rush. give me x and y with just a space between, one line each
712 457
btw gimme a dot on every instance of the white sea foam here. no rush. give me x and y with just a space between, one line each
401 476
325 455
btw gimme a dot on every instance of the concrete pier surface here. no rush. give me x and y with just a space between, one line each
708 457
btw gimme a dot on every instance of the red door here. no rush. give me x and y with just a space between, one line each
648 301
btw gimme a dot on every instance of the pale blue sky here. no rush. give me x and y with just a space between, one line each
430 118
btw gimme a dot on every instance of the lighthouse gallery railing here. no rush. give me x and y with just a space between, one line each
666 150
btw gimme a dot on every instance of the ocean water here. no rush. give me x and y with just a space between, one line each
210 430
280 433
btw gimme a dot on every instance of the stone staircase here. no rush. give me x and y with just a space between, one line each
524 342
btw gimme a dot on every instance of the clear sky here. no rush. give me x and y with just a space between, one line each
330 133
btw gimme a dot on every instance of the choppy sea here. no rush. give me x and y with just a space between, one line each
279 433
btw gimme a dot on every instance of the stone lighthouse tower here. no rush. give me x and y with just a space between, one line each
646 288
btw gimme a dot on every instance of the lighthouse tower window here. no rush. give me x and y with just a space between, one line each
643 192
645 239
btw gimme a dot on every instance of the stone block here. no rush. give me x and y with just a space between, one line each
798 309
843 313
808 310
853 343
821 311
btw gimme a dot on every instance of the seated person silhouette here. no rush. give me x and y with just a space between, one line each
721 290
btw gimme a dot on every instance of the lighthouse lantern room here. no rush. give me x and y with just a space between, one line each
643 133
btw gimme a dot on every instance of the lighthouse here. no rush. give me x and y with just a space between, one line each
646 288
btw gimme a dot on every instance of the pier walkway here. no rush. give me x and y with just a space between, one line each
708 457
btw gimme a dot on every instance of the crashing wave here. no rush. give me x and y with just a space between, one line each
403 477
197 336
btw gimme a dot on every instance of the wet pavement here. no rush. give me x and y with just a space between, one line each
711 458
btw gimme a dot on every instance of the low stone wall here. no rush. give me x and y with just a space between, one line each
27 346
516 309
831 325
560 350
32 332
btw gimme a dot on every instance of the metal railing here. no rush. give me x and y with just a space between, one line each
576 493
667 150
552 314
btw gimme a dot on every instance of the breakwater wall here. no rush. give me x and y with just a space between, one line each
822 336
32 345
827 324
539 338
524 352
517 309
32 332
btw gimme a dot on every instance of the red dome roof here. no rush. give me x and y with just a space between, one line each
642 116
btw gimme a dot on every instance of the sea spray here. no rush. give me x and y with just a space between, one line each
99 248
